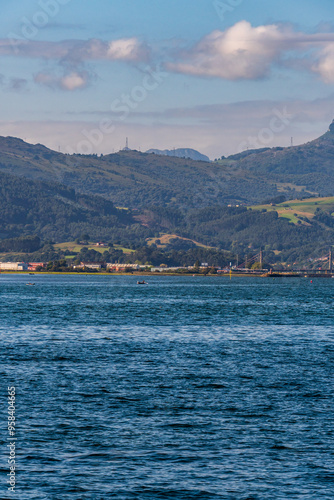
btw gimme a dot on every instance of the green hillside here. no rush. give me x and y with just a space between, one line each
306 168
173 204
299 211
137 180
244 231
74 247
55 212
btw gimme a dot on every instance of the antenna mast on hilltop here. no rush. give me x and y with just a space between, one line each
291 141
126 145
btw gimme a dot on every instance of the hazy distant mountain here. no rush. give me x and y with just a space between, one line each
180 153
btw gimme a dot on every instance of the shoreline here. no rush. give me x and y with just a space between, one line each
41 273
147 274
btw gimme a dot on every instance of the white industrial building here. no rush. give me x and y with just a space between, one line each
13 266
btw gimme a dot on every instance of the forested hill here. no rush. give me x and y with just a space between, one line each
136 180
310 165
53 211
133 179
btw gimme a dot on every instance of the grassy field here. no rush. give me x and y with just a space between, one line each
282 187
294 210
4 257
69 245
72 246
165 239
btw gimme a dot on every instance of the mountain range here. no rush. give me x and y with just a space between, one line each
135 180
131 197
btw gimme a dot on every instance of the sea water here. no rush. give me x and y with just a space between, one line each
185 388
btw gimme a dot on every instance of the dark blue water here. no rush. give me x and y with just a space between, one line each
188 388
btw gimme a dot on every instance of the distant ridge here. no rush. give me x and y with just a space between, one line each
135 180
181 153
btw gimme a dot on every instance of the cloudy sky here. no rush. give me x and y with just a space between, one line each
219 76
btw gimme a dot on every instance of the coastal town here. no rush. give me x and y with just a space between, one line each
107 267
201 269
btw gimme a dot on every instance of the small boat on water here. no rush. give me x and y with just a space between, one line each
30 284
142 283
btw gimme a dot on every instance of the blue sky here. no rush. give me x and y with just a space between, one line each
219 76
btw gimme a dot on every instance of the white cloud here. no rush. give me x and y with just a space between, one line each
126 49
241 52
246 52
325 65
72 81
71 57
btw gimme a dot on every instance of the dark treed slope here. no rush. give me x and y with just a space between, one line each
58 213
245 231
54 211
